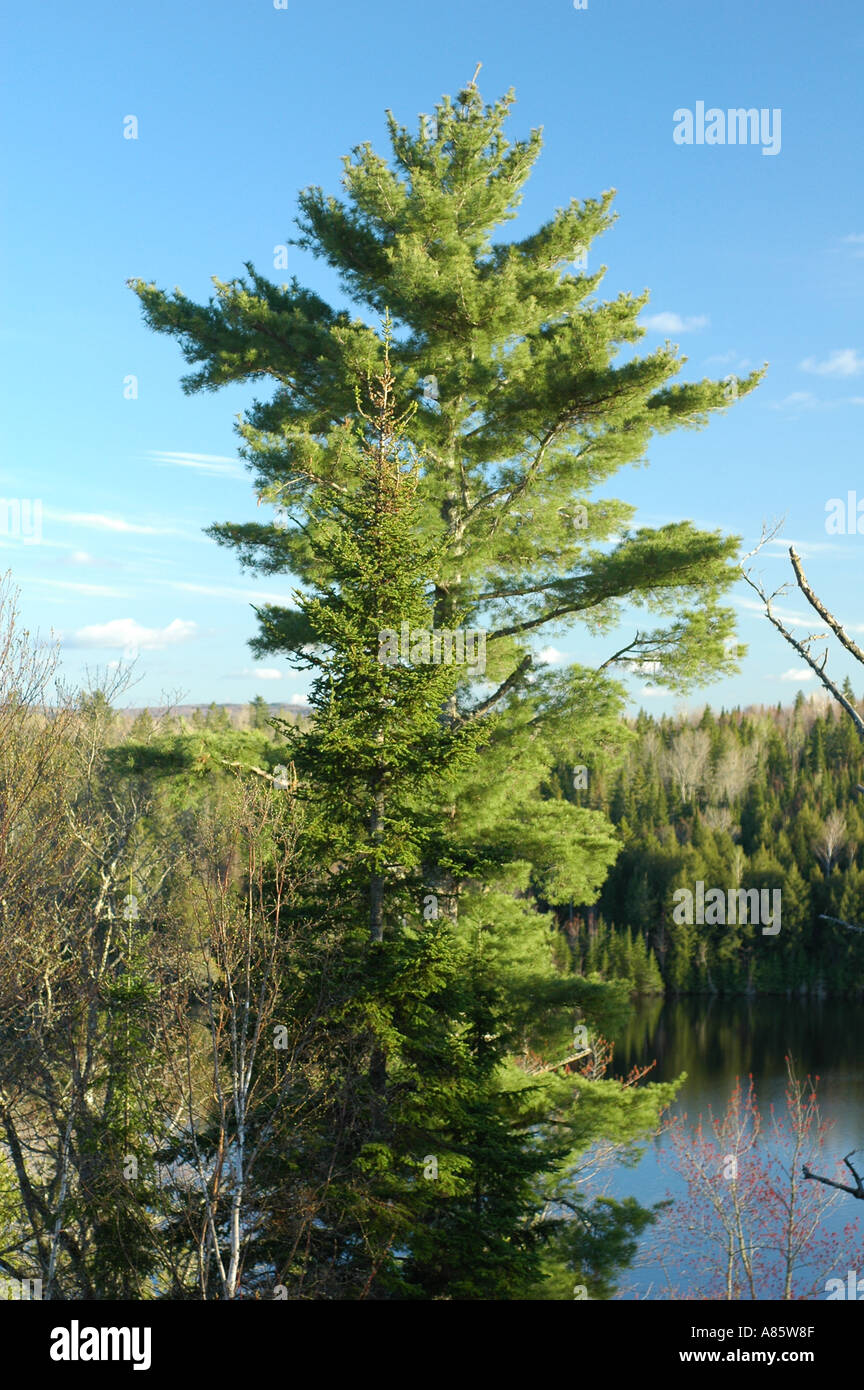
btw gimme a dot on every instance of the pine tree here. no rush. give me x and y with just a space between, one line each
523 411
445 1015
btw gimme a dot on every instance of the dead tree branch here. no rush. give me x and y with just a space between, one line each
856 1191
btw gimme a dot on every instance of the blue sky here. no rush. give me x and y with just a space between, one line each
750 258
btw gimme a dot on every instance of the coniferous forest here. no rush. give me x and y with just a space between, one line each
765 797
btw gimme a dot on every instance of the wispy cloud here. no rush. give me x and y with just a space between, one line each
840 362
797 400
97 521
126 632
674 323
798 673
782 543
73 587
214 465
230 591
810 620
650 691
805 400
261 673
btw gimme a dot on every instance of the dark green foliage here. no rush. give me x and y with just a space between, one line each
757 819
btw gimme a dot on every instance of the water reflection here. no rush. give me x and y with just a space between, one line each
714 1040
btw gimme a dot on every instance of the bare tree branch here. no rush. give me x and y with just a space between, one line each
856 1191
823 917
816 603
803 647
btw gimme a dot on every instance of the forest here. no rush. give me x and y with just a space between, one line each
760 797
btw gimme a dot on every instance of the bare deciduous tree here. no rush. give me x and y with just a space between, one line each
734 771
749 1227
686 761
831 840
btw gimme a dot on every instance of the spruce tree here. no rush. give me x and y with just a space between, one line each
447 1024
430 1186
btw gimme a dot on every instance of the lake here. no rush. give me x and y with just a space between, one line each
715 1040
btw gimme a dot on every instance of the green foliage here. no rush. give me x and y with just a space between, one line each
757 819
522 409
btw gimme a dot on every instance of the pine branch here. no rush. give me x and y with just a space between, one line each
250 767
505 686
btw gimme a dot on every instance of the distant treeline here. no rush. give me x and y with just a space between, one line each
762 798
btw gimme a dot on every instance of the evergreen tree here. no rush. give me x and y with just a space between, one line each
259 713
523 410
443 1014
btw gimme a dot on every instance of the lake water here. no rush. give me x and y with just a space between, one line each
714 1041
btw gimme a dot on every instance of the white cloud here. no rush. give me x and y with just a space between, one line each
72 587
786 615
805 400
841 362
798 673
79 557
804 548
214 465
299 700
550 656
674 323
797 400
230 591
651 690
98 522
810 619
126 633
261 673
